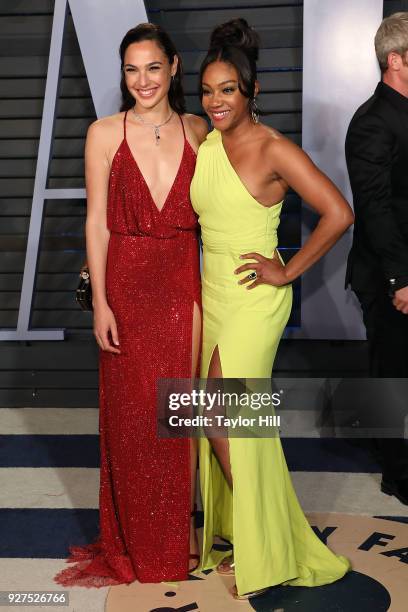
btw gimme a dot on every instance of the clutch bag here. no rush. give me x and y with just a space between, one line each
83 294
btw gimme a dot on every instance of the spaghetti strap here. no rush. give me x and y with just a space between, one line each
182 125
124 125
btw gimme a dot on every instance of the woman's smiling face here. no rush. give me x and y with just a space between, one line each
222 100
147 72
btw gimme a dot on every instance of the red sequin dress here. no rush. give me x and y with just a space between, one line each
152 282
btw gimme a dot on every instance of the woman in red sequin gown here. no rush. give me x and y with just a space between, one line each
143 256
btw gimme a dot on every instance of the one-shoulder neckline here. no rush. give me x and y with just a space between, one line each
241 182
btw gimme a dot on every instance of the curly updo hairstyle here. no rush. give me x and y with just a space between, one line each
150 31
235 43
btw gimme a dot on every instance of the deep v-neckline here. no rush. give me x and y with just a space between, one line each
158 210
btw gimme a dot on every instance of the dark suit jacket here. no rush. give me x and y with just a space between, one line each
377 162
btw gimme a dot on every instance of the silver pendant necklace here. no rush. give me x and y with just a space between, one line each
153 125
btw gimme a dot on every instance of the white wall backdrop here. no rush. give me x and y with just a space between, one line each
340 72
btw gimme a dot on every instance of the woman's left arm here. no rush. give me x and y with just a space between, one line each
292 164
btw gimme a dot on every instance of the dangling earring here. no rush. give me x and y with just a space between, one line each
254 111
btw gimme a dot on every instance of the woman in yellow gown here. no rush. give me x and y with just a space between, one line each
243 171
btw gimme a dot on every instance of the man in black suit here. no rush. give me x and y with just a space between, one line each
377 269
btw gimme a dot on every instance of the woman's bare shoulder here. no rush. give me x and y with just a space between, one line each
105 127
276 143
271 135
198 125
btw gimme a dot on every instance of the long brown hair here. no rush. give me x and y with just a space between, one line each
150 31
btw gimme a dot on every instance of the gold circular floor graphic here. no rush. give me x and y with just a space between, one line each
377 549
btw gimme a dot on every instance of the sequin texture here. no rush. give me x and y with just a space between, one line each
152 282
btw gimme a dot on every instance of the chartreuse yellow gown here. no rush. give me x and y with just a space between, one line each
273 541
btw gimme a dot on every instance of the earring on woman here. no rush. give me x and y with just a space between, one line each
254 110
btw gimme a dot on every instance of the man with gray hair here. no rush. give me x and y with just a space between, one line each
377 268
